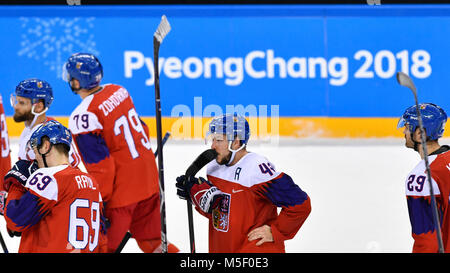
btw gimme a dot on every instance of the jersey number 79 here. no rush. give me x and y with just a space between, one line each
122 124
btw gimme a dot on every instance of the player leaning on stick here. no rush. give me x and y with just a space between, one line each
242 194
115 148
417 186
55 206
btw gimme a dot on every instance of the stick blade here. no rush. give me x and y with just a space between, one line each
162 30
404 80
203 159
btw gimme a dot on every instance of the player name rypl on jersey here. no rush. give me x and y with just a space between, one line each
84 182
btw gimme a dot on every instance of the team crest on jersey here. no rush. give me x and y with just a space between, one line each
221 214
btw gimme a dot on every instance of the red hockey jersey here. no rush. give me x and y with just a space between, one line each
114 145
5 157
58 210
419 202
253 190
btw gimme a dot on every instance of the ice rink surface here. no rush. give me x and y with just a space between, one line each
356 188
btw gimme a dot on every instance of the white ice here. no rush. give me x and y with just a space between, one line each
356 188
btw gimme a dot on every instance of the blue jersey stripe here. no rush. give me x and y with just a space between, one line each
421 215
26 211
92 147
283 192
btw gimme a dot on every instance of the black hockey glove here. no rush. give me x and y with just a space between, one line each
199 191
182 188
19 173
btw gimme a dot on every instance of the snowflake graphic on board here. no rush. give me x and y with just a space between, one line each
52 40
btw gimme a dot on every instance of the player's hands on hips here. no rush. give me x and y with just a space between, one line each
19 173
199 191
263 233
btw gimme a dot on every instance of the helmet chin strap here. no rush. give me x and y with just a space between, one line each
44 155
74 90
417 143
233 152
36 115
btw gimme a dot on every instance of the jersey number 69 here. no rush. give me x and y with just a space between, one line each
80 232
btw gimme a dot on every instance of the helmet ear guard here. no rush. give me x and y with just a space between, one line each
35 90
234 127
55 131
231 125
433 120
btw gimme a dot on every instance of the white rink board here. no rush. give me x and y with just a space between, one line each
356 189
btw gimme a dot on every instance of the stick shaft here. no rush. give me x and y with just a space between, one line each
201 161
434 208
2 242
156 45
191 227
123 242
404 80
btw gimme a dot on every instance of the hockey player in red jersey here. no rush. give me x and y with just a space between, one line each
242 193
56 207
5 156
417 185
115 148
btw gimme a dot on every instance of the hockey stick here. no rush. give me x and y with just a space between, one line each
2 242
123 242
128 234
158 37
164 140
203 159
405 80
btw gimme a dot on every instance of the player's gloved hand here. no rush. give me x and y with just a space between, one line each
12 233
200 191
19 173
3 195
182 190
